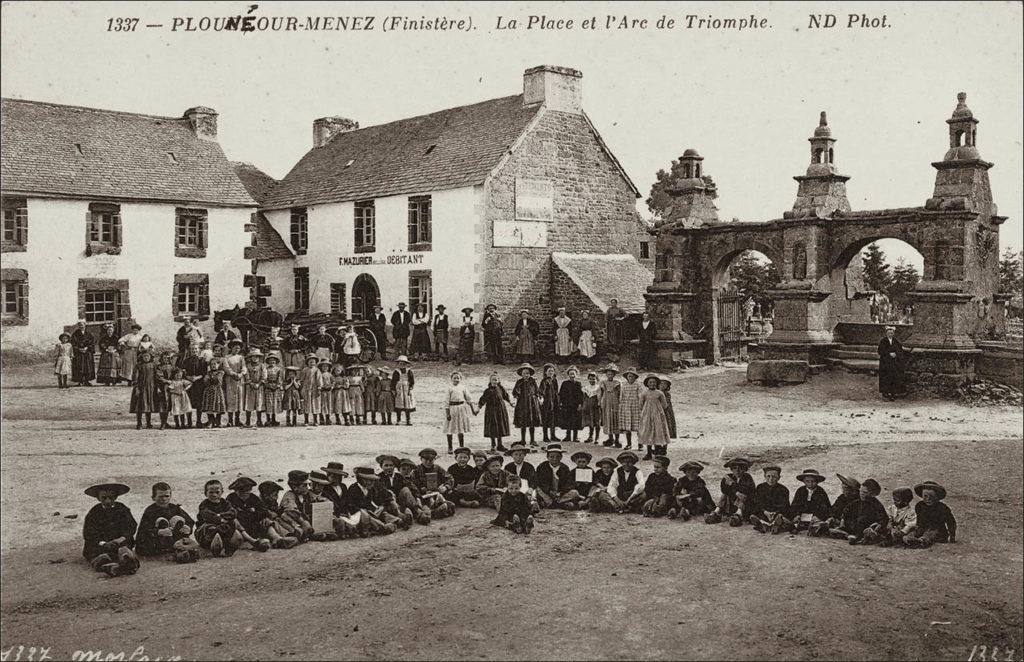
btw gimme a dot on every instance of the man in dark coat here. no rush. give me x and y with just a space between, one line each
83 363
493 334
892 379
400 321
647 332
378 327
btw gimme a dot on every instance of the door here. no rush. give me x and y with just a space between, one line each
365 295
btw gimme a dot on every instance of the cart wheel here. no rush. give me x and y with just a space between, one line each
367 343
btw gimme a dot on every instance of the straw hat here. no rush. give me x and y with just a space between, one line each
930 485
117 488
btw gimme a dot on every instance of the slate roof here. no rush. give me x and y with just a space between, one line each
256 182
269 244
443 150
77 152
607 277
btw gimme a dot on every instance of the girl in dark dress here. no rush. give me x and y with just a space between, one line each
144 390
549 403
495 414
570 405
83 367
891 377
527 411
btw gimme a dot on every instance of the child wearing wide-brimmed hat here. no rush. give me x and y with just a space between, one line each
658 488
770 503
737 489
464 476
109 531
525 470
601 499
310 382
291 399
609 393
254 517
527 413
691 496
570 404
629 406
591 412
492 403
553 481
492 483
627 483
582 477
165 528
378 511
514 511
653 429
252 387
810 506
860 513
435 485
548 393
935 521
63 353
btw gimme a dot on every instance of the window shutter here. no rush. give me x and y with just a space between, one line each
412 223
204 299
23 299
116 217
426 220
174 300
202 233
21 228
88 230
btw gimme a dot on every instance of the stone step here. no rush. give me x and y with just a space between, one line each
873 349
858 366
854 354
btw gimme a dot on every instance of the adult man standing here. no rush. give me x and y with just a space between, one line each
615 321
378 327
891 368
293 347
493 335
400 321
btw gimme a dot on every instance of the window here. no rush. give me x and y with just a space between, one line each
191 296
299 230
15 237
302 288
420 290
100 306
103 229
645 250
338 298
13 296
366 226
419 223
189 232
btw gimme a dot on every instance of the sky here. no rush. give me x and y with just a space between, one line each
747 99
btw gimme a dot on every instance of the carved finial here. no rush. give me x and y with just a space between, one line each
961 98
824 120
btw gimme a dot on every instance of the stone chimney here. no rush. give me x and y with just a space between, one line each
203 121
558 88
325 128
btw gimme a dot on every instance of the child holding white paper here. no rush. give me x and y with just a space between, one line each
582 478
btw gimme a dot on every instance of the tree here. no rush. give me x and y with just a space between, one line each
1011 276
877 273
753 276
903 280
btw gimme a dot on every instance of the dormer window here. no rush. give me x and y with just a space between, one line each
171 157
78 149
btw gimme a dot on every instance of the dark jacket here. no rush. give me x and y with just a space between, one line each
249 511
771 499
839 507
511 504
745 485
659 485
373 500
400 321
331 494
862 513
466 475
817 505
936 517
700 500
545 479
395 483
526 471
431 480
147 542
106 524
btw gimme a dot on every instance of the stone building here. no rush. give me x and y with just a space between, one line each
957 304
116 217
461 207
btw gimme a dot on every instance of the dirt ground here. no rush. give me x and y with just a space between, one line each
581 587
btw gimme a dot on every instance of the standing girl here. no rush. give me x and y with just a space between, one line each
128 344
350 347
653 422
629 406
563 341
548 392
420 336
339 394
252 388
570 405
665 384
326 392
62 360
586 344
177 392
213 393
273 388
457 409
526 415
164 373
310 381
291 398
234 376
495 414
356 403
385 395
109 371
144 389
371 390
526 336
609 393
591 418
402 382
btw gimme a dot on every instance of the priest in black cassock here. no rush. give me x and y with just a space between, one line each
892 379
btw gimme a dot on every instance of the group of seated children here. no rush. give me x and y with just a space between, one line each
403 492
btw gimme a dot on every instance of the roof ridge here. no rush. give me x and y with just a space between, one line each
91 109
416 117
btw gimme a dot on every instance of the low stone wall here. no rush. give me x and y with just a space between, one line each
1002 363
868 333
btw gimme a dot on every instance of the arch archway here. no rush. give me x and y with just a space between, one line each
365 295
872 281
741 307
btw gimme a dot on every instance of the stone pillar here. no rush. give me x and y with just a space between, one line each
802 327
677 315
943 317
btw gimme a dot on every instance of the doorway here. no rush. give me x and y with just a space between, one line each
365 295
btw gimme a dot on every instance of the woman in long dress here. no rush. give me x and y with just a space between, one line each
570 405
609 394
109 371
548 392
591 418
458 407
629 405
234 375
62 360
586 343
563 340
526 415
83 366
492 401
420 335
402 383
891 375
653 429
526 333
128 344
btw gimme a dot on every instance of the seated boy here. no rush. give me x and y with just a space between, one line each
109 532
435 485
283 523
862 513
770 504
737 490
627 483
554 485
935 521
165 528
375 505
393 480
297 506
519 466
691 495
254 516
810 507
493 482
582 477
658 489
217 530
514 510
409 496
335 489
902 520
464 475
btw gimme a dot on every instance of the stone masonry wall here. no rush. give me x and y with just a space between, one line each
593 212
